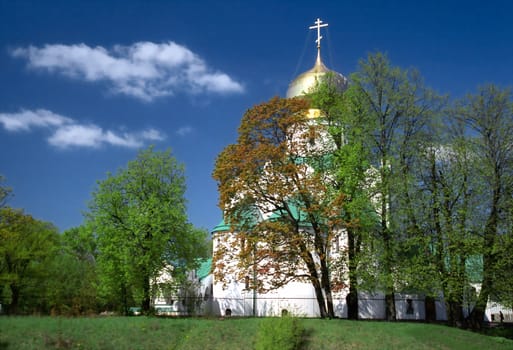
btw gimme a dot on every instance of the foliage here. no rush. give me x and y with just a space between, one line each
277 170
350 167
140 224
443 187
489 116
4 192
282 333
448 204
420 190
393 108
73 283
27 246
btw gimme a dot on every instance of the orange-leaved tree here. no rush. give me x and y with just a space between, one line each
277 195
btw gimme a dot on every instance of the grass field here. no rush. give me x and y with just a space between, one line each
234 333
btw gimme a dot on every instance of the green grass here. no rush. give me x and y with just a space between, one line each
234 333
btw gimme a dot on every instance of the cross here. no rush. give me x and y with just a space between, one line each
318 26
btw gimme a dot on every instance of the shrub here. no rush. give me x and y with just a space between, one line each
279 333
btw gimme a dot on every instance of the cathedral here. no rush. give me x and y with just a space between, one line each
226 287
236 293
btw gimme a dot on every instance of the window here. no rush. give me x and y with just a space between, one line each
409 307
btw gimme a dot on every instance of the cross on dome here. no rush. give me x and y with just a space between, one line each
307 81
318 26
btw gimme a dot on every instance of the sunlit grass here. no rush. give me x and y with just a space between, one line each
232 333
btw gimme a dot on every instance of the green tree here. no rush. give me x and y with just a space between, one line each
4 192
444 211
139 219
394 107
26 247
489 115
73 282
278 170
343 115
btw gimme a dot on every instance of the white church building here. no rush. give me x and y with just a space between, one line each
234 296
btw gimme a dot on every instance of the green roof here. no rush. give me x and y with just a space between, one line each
248 218
222 226
296 214
204 269
275 216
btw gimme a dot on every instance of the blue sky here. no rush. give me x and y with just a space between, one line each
85 84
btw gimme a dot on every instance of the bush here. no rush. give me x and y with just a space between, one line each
279 333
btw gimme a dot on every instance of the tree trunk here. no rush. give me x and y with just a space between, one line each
390 307
322 282
476 317
320 298
430 309
146 300
329 303
326 286
352 297
314 279
124 298
15 299
454 313
456 285
352 304
390 313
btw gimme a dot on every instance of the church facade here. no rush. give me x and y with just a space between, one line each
236 293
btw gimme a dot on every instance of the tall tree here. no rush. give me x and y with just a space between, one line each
140 221
395 105
489 114
277 196
343 115
72 284
26 245
444 212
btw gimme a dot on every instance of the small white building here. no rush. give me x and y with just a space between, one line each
192 297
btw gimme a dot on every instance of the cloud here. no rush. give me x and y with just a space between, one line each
67 133
152 135
184 130
144 70
26 120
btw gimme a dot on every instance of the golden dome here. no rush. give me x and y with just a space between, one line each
307 81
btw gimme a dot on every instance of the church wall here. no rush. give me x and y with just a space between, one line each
441 311
371 306
296 298
410 307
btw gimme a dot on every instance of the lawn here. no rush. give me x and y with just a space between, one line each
234 333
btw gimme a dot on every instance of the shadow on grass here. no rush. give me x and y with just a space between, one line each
4 345
58 342
305 339
505 331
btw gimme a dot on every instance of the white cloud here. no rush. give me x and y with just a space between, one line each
184 130
144 70
152 135
77 135
67 133
26 120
